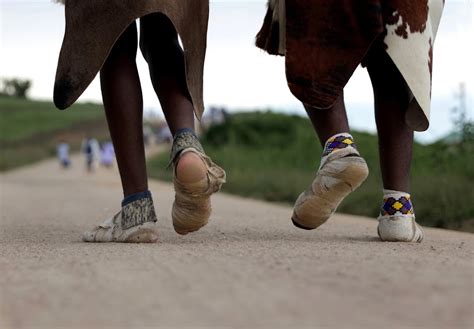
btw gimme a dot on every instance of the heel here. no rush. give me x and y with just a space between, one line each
399 229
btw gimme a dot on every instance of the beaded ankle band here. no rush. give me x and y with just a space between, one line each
397 206
338 142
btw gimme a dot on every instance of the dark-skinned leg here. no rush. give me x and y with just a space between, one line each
329 122
122 97
123 104
342 169
195 180
161 49
165 59
391 96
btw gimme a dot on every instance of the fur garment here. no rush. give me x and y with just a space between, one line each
93 26
325 41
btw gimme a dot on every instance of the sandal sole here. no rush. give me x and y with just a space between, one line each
348 180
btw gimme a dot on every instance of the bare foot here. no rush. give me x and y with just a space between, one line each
190 168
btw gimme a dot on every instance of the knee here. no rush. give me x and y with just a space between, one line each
387 81
158 49
158 38
126 45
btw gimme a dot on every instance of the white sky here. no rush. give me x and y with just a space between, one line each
237 75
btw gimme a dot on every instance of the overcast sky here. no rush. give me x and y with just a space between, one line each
237 75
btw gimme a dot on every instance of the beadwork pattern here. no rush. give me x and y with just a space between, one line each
392 206
337 143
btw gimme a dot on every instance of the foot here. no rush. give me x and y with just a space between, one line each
190 168
135 223
342 170
196 178
397 219
399 229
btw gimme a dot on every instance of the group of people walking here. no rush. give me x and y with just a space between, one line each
323 43
94 153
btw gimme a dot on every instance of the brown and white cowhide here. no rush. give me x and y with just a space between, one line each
324 41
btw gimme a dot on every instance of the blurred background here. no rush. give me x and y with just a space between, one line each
253 126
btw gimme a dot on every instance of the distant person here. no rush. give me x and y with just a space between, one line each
62 152
107 154
95 145
87 149
324 42
102 36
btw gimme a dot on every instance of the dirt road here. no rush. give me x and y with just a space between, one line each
248 268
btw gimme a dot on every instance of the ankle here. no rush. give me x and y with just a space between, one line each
137 209
183 139
131 197
338 146
396 203
338 142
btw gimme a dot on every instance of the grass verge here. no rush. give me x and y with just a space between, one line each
30 130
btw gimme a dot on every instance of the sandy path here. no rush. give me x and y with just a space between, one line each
248 268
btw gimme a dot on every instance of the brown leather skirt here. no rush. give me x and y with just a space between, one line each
93 26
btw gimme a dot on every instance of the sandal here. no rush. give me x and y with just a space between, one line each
340 173
192 205
399 229
397 219
135 223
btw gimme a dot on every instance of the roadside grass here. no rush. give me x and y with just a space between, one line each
30 130
274 157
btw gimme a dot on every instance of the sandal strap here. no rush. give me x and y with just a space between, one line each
138 212
184 139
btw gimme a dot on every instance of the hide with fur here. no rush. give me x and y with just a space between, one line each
325 40
93 26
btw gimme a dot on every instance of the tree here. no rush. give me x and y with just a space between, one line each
16 87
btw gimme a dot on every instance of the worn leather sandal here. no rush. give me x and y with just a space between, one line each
135 223
192 205
339 174
399 228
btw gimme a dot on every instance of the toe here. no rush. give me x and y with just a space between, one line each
88 237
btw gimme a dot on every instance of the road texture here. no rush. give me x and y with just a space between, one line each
248 268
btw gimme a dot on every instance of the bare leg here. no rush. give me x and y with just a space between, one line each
193 185
341 171
165 59
392 97
122 96
329 122
395 137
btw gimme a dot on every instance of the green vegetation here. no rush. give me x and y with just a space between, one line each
30 130
267 156
274 157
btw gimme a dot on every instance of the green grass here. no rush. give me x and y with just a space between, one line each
21 119
30 130
274 157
